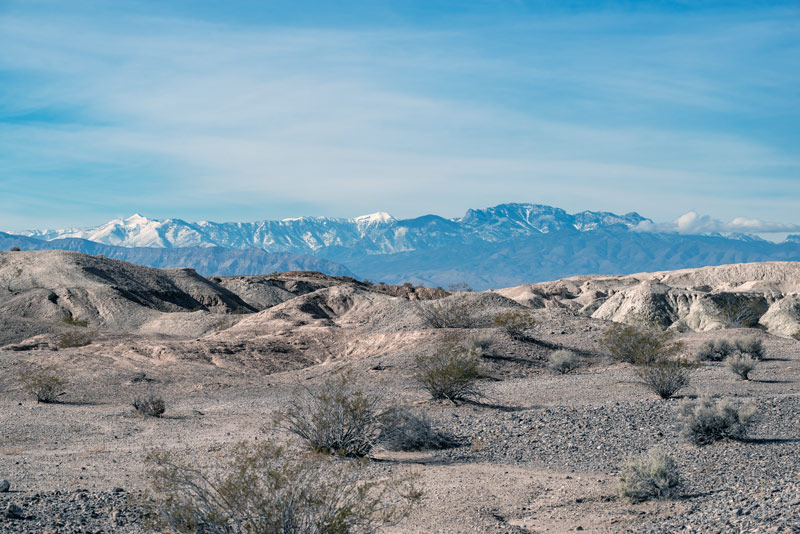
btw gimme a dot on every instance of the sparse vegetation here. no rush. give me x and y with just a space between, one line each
454 311
151 405
636 344
741 364
708 421
655 476
404 429
15 249
265 489
739 310
74 339
796 335
562 361
515 323
335 418
75 322
450 372
719 349
665 375
482 344
46 384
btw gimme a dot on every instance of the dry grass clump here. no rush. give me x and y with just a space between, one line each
455 311
655 476
404 429
563 361
450 372
264 489
75 322
45 383
151 405
515 323
741 364
719 349
708 421
334 418
664 375
74 339
637 344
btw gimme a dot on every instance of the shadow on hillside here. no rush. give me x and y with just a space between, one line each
492 406
770 441
558 346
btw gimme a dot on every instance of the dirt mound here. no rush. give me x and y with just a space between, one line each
763 295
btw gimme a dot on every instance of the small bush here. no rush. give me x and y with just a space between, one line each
514 323
482 345
562 361
406 430
751 345
45 384
708 421
664 375
263 489
719 349
15 249
655 476
74 339
451 372
151 405
637 345
741 364
75 322
335 418
454 311
739 310
796 335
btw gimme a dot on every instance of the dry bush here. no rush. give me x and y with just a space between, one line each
263 489
636 344
708 421
563 361
482 344
455 311
739 311
450 372
741 364
151 405
334 418
719 349
796 335
45 383
665 375
515 323
655 476
75 322
404 429
74 339
751 345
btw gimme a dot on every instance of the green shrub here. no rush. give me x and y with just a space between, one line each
708 421
562 361
665 375
45 383
75 322
655 476
741 364
151 405
636 344
403 429
455 311
264 489
450 372
335 418
74 339
514 323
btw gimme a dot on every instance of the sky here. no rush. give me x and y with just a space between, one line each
251 110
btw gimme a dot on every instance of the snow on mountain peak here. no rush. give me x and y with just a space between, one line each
380 217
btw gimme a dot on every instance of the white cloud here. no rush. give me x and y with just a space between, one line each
692 223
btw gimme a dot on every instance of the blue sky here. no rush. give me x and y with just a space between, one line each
270 109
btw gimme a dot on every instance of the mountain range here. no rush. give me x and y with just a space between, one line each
504 245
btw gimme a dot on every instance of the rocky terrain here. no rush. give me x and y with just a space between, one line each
537 452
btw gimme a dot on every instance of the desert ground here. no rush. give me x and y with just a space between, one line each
538 451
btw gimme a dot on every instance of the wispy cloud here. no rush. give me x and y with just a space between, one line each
694 224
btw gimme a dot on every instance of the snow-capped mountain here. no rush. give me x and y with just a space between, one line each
377 233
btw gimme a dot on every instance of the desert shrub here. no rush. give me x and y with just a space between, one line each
74 339
15 249
514 322
481 344
719 349
741 364
75 322
151 405
460 287
665 375
454 311
264 489
45 383
638 345
404 429
796 335
708 421
655 476
450 372
738 310
562 361
334 418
